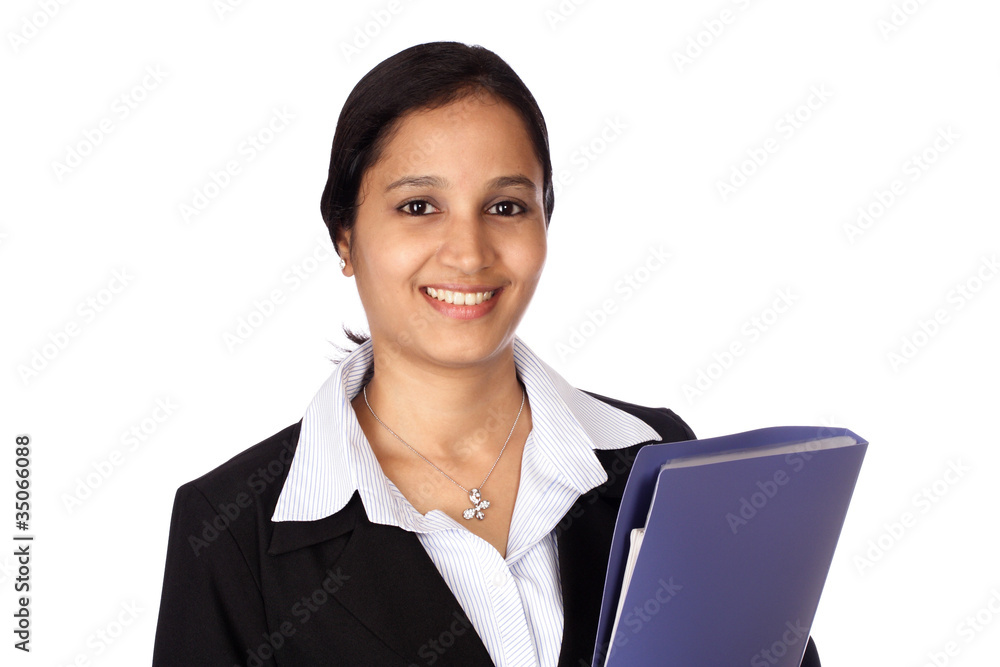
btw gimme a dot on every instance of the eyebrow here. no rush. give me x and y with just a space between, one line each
417 182
509 181
512 181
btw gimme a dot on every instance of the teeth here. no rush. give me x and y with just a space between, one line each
460 298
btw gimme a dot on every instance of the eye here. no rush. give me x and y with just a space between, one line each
506 209
417 207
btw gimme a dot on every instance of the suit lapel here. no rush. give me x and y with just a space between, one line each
584 538
401 596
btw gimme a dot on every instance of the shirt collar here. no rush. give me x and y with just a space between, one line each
333 458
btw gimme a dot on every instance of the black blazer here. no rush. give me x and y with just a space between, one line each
239 589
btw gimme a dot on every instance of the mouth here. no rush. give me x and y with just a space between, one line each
469 297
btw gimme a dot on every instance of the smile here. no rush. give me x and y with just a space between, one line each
459 298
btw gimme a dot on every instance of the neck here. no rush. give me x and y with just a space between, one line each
445 411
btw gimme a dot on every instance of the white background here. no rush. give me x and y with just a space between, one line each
683 127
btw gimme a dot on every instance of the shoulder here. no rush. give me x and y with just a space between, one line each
233 503
259 470
215 577
663 420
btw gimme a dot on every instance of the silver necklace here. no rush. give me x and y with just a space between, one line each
475 496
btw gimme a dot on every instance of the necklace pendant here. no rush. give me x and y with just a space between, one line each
478 505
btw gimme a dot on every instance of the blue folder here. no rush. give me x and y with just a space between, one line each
734 553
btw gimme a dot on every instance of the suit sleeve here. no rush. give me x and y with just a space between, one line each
811 656
211 608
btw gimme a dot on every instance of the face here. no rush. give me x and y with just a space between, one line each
452 211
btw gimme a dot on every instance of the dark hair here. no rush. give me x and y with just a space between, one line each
425 76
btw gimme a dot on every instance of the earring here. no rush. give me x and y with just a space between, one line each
343 263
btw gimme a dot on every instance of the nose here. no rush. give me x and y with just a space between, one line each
468 244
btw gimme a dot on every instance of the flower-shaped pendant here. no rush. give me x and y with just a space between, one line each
478 505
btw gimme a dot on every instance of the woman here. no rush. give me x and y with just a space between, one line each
447 498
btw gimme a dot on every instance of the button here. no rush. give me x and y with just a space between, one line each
500 578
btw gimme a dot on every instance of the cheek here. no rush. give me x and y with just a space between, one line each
390 261
530 258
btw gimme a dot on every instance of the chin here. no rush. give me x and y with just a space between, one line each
459 350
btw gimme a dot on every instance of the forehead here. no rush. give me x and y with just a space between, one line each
473 135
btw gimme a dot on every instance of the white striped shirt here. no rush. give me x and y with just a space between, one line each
513 602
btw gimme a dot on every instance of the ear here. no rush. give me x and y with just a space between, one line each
344 249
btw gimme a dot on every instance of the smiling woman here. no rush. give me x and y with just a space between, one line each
462 216
447 498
